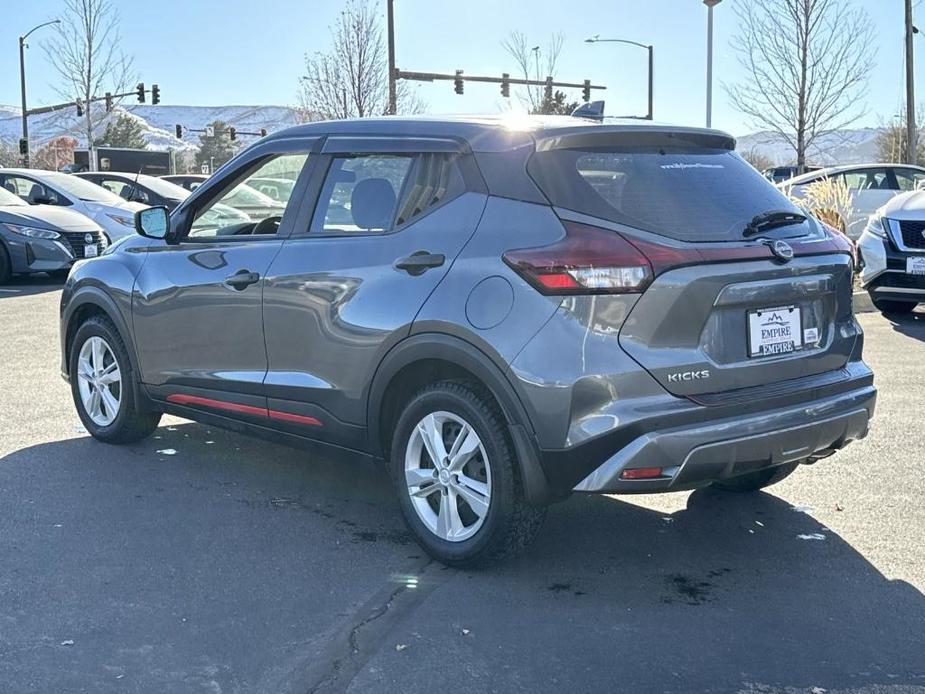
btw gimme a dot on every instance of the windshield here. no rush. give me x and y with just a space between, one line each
79 188
8 199
686 193
165 189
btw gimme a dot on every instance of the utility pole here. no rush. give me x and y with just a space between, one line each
911 130
390 24
710 5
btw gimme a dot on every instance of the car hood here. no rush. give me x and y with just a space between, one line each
124 209
47 217
909 205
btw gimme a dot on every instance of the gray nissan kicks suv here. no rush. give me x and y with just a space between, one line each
505 313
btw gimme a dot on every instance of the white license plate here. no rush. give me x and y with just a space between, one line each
915 266
91 251
774 331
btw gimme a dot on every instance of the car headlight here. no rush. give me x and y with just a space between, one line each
33 232
877 226
119 219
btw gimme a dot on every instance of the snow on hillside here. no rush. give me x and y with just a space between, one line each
849 146
158 123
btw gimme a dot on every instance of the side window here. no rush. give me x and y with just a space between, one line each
120 188
241 209
868 179
361 193
436 179
909 179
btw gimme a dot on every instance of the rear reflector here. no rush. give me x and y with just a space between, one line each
641 473
588 260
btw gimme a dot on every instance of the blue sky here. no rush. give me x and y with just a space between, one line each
216 52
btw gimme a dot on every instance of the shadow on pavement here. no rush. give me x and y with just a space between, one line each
228 564
910 324
26 285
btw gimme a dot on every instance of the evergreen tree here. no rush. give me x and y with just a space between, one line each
124 131
557 105
216 149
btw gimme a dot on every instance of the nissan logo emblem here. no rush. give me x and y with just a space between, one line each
88 238
781 250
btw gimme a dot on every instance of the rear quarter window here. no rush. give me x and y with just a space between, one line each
688 194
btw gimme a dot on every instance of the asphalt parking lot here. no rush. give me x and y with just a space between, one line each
233 565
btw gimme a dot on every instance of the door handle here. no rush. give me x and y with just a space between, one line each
419 262
242 279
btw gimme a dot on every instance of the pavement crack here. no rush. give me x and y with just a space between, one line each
360 639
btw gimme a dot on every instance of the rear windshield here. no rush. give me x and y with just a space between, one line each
689 194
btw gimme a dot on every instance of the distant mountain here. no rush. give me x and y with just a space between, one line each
849 146
158 123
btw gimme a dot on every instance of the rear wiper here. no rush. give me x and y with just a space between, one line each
772 219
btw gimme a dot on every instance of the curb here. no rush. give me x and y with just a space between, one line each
862 303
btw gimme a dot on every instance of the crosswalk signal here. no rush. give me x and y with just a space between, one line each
140 92
80 108
505 85
458 82
108 99
155 94
586 91
179 131
232 133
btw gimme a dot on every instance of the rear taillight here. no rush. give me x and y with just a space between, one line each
588 260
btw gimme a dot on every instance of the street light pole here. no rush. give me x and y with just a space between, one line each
22 84
710 5
651 51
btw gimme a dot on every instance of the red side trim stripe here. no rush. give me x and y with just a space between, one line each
183 399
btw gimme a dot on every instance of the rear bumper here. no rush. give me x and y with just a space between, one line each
698 443
693 456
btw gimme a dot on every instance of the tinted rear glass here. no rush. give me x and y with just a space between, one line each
689 194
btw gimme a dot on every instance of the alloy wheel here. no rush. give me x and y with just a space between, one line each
99 380
448 476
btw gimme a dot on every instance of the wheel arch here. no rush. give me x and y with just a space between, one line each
85 303
423 357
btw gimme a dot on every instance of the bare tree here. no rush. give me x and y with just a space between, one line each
350 79
808 63
87 55
757 159
534 63
891 140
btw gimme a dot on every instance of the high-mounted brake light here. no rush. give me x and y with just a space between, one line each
588 260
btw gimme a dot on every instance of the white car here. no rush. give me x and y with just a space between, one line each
869 185
115 215
892 254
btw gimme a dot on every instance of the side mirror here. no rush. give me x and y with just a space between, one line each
153 222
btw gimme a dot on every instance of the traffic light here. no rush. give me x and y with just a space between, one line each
505 85
586 92
458 82
155 94
232 133
179 131
547 90
23 146
140 91
108 102
80 108
263 132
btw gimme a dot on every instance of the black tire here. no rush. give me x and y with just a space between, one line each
898 307
130 424
6 268
510 524
753 481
